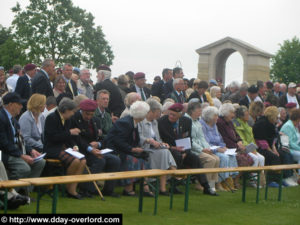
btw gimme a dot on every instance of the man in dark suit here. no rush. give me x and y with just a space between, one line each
116 105
139 86
41 82
200 92
168 86
71 86
250 97
290 96
157 88
24 83
178 94
89 145
17 158
173 127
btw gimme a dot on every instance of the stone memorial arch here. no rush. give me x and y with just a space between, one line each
213 57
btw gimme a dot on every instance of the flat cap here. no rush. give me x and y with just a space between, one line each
292 85
253 89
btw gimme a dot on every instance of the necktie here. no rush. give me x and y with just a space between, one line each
181 98
29 82
70 86
142 95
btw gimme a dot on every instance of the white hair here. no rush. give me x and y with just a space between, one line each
166 105
83 70
176 81
154 104
225 109
234 84
139 110
214 90
208 113
105 73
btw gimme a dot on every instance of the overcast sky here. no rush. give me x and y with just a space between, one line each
148 36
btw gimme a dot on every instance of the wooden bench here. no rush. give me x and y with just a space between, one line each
245 170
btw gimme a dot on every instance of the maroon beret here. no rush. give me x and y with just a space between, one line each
176 107
88 105
290 105
29 67
267 104
104 67
139 75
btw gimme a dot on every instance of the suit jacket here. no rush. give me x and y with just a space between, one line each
145 89
244 101
85 136
41 84
74 87
7 142
57 137
123 136
157 89
23 88
195 94
167 131
116 104
168 88
177 98
283 100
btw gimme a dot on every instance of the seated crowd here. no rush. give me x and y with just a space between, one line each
240 125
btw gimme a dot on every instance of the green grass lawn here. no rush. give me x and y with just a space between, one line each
225 209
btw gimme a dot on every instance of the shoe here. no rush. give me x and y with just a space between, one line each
86 194
164 193
129 193
113 194
78 196
148 194
209 191
14 203
24 199
273 184
176 191
290 181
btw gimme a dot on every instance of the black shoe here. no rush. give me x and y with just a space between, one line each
86 194
176 191
208 191
14 203
113 194
148 194
165 193
78 196
129 193
24 199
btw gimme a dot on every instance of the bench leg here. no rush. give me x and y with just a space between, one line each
5 201
267 186
54 200
280 186
141 194
244 187
156 195
171 192
38 200
257 187
187 190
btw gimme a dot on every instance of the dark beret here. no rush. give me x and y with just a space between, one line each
12 97
29 67
88 105
290 105
177 107
139 75
104 67
253 89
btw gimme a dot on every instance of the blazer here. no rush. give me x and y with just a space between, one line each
168 88
244 101
157 89
195 94
41 84
23 88
283 100
145 132
145 89
176 97
74 87
85 136
116 104
30 131
57 137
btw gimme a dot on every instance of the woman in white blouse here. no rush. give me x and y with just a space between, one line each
215 92
32 122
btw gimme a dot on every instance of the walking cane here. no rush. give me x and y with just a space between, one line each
96 186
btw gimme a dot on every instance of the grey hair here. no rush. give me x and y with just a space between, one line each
192 106
208 113
225 109
105 73
214 90
131 98
166 105
66 104
281 109
84 69
244 86
240 111
154 104
46 62
139 110
234 84
176 81
17 69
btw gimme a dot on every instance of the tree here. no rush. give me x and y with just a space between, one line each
286 63
57 29
11 52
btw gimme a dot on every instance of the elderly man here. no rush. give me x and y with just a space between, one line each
18 158
83 84
199 93
115 105
71 86
23 87
12 80
168 86
250 97
173 127
241 93
290 96
41 82
276 90
234 86
139 86
178 94
89 145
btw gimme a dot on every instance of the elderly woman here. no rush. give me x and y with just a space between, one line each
283 117
160 157
217 146
59 86
266 136
32 122
216 94
58 137
290 128
130 98
200 146
124 138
